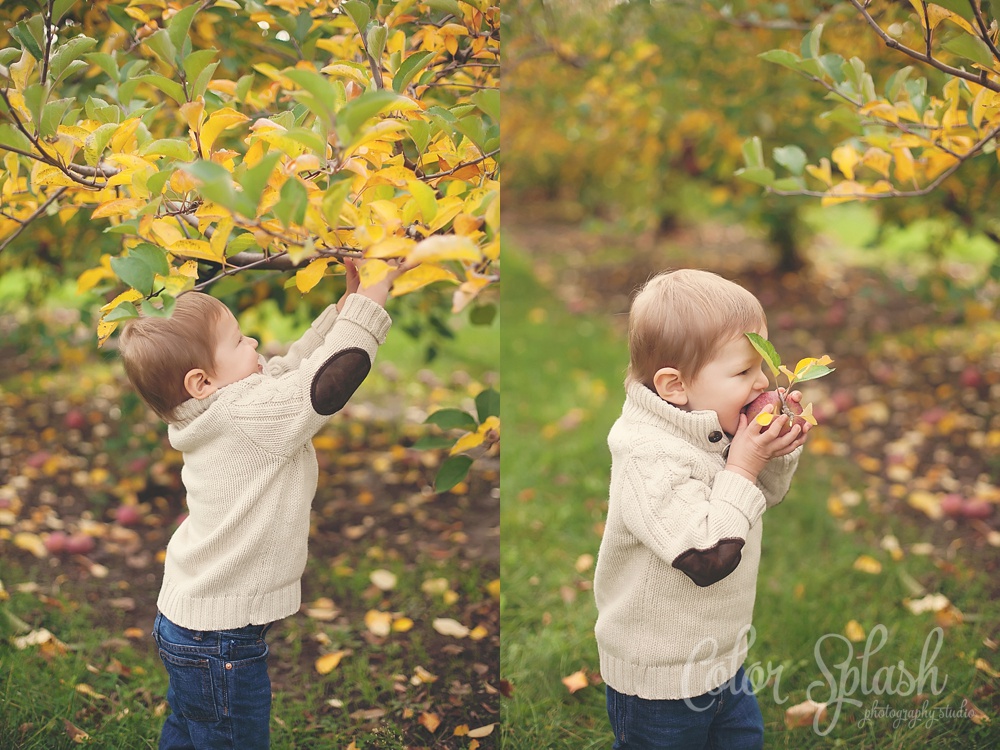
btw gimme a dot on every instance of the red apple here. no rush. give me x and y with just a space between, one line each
971 377
80 544
55 542
127 515
771 398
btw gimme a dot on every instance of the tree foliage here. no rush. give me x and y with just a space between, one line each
220 136
927 129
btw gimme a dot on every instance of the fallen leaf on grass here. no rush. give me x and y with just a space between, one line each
478 633
854 631
134 633
506 688
85 689
30 543
383 579
47 643
804 714
976 715
450 627
329 662
483 731
930 603
575 681
323 610
402 625
75 733
367 714
379 623
583 563
429 721
984 666
422 676
493 588
868 564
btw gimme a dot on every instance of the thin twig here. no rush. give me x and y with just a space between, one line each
38 212
463 165
984 32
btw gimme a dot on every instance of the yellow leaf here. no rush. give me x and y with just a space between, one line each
804 714
868 564
575 681
420 277
308 277
122 135
927 502
807 415
166 232
372 272
129 296
854 631
216 123
842 192
329 662
429 721
379 623
193 113
391 247
483 731
445 247
221 235
85 689
493 588
46 175
467 442
117 207
468 291
478 633
402 624
30 543
422 676
845 157
91 278
822 172
195 249
104 331
461 730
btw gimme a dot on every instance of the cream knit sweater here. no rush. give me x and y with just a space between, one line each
250 473
659 634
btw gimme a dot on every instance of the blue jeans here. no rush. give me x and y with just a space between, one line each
220 692
727 718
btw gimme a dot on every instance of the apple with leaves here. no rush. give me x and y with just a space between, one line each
769 405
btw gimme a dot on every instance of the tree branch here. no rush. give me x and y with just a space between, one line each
48 43
929 59
983 30
38 212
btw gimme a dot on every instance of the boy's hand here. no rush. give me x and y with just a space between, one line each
753 446
353 281
379 291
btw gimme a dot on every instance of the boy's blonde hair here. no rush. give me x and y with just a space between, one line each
680 318
159 352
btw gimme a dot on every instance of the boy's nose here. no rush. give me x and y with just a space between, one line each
762 382
255 343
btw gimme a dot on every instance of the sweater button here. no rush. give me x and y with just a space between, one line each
714 437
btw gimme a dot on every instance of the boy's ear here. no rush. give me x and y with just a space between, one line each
669 386
198 384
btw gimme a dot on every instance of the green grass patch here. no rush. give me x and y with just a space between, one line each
563 389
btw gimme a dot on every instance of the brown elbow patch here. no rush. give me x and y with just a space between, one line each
337 380
708 566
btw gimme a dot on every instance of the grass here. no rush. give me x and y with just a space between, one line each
367 484
562 381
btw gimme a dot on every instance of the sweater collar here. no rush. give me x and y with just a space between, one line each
191 409
700 428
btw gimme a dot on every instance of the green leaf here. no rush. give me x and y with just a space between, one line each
960 7
156 182
34 99
833 65
200 84
105 62
420 132
124 311
308 138
370 103
896 81
59 8
135 272
179 24
451 7
360 13
324 99
216 183
24 34
173 148
152 256
781 57
791 158
97 141
789 184
972 48
53 115
333 201
375 41
255 179
197 62
753 152
291 206
432 442
243 86
162 46
488 102
766 350
810 42
452 471
762 176
243 242
452 419
14 138
410 67
482 315
814 371
426 198
171 88
488 404
72 51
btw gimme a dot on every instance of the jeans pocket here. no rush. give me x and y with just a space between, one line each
618 715
192 686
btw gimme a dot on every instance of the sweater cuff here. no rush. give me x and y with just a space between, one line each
741 493
368 314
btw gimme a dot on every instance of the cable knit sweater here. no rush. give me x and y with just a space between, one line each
677 570
250 473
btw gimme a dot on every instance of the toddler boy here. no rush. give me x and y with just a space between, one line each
690 481
245 428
